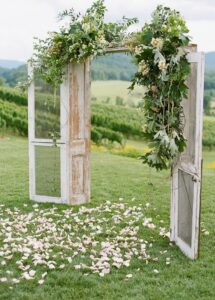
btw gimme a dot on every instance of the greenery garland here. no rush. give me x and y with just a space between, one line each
79 38
159 50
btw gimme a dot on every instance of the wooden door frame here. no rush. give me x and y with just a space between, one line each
194 169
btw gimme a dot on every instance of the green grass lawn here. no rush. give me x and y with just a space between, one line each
114 177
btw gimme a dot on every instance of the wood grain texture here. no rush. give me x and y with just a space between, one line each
79 133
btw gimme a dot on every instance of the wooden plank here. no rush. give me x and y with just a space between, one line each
77 90
78 175
31 130
79 143
191 48
87 105
117 50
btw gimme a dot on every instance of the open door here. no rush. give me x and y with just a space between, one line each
48 111
186 174
59 137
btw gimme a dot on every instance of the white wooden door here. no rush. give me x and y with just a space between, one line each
48 115
186 174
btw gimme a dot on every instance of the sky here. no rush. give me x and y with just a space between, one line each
21 20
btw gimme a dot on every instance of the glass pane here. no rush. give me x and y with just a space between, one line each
47 109
185 206
189 108
47 168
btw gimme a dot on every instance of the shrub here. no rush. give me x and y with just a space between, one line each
12 95
13 116
127 121
100 133
209 132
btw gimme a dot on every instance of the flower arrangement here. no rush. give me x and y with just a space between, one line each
80 38
160 52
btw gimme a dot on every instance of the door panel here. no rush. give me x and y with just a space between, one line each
186 173
48 142
47 109
59 137
47 171
185 206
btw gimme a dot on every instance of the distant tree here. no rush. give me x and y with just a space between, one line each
2 81
207 103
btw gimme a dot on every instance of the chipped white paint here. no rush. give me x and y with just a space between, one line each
190 160
74 143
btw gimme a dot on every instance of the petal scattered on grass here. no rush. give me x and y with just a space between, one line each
93 240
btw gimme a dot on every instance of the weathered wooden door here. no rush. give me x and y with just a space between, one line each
48 113
59 138
79 133
186 174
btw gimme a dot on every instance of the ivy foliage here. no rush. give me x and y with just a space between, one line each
160 52
79 38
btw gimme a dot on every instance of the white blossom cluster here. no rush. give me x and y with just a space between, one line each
91 240
143 68
157 43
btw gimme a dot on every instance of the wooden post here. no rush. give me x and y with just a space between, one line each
79 133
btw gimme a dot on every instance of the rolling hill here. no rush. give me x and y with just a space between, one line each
210 60
117 66
10 64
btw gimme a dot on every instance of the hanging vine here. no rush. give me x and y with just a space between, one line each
160 52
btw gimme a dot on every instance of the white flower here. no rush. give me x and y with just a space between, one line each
26 276
86 27
129 275
32 273
77 267
162 65
3 279
44 274
41 281
143 67
62 266
157 43
15 280
102 41
138 50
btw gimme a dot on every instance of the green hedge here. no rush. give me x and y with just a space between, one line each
108 121
127 121
209 133
100 133
12 95
13 116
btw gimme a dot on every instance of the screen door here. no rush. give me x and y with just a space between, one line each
48 140
186 174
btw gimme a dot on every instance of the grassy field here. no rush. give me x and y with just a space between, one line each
113 88
114 177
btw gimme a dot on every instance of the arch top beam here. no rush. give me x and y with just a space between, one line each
190 47
117 50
